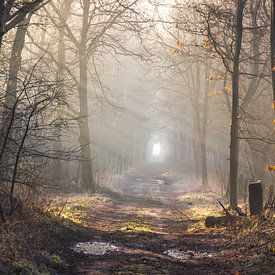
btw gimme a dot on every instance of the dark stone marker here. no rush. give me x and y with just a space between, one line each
255 198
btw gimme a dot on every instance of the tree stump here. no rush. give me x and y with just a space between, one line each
255 198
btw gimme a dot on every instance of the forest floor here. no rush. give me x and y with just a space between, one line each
151 229
148 224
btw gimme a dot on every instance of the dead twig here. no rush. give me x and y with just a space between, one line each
182 214
225 210
239 211
62 208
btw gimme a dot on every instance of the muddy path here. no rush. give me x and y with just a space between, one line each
153 232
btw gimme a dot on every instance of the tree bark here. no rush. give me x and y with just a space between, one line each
65 10
2 21
86 171
255 198
197 131
234 144
15 63
204 172
11 93
11 99
272 43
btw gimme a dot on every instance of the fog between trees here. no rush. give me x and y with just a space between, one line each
88 88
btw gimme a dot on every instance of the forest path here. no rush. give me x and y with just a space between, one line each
158 234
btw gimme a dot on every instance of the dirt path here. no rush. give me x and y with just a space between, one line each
153 234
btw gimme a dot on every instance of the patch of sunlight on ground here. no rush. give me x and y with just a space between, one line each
200 212
73 208
136 227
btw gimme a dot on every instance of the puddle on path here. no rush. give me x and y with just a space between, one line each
94 248
187 255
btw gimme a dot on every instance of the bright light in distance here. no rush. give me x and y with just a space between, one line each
156 150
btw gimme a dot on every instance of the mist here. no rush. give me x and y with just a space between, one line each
137 137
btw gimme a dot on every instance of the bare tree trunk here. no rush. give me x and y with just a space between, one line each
272 39
234 146
15 63
2 21
197 124
60 70
86 171
196 140
204 122
11 93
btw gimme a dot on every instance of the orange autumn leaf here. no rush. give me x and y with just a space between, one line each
270 168
212 92
210 78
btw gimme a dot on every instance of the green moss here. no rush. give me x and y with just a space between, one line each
136 227
54 259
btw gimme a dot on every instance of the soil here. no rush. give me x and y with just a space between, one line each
156 232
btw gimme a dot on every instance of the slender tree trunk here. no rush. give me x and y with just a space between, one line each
15 63
2 21
86 172
11 94
60 74
234 146
11 90
58 143
204 172
196 140
272 40
197 124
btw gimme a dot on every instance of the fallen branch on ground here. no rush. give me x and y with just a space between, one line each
220 221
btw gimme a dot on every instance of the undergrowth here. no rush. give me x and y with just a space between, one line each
33 241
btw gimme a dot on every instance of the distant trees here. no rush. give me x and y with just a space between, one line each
240 49
29 95
96 20
234 36
83 35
